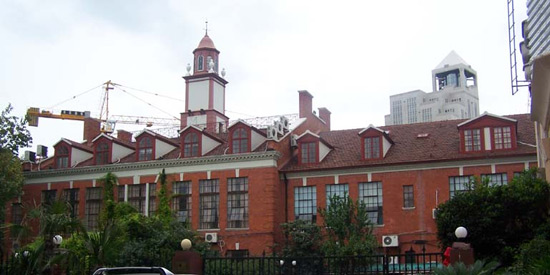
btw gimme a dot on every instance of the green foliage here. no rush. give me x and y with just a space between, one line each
13 132
498 218
302 238
533 256
11 177
164 212
348 228
109 182
478 268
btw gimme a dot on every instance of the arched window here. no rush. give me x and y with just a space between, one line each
102 153
191 145
62 157
200 62
145 149
239 141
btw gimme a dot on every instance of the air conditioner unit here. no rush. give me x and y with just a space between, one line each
271 133
29 156
293 141
285 122
393 259
434 213
390 241
279 127
42 151
211 237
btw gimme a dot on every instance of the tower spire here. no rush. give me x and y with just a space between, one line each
206 29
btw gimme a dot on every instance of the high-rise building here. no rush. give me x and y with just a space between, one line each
454 96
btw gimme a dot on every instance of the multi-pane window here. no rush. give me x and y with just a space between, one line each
472 140
181 200
427 115
411 109
237 203
191 145
145 149
305 203
309 152
459 184
102 153
137 197
237 254
370 193
397 112
496 179
209 201
48 197
340 190
121 193
17 213
502 137
408 196
71 197
372 147
200 63
62 157
94 197
240 140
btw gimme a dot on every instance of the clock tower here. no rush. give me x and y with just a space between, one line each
205 90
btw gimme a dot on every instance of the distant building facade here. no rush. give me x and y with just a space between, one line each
454 96
536 57
236 183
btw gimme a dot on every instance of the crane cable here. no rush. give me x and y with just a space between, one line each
156 94
117 86
75 96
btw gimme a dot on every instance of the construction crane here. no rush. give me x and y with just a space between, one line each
108 122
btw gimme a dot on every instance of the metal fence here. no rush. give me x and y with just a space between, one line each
377 264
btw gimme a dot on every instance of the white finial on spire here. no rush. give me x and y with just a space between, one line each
223 72
188 69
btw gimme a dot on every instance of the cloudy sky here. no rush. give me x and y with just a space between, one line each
350 55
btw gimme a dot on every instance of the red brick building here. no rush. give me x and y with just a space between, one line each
236 183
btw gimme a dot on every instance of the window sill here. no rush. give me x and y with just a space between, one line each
408 208
378 225
204 230
237 229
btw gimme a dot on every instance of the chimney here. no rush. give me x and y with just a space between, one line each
305 104
124 135
324 114
92 129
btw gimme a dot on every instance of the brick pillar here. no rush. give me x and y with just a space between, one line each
324 114
124 135
305 103
92 129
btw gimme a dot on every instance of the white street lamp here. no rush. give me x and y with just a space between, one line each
186 244
57 239
461 232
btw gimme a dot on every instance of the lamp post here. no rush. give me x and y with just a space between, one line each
461 233
461 251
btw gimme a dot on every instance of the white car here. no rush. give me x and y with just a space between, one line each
133 271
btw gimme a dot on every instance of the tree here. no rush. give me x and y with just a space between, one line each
164 212
302 239
498 218
348 228
13 135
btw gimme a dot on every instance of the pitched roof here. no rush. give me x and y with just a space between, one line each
451 59
441 144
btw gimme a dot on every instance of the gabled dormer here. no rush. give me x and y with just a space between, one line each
195 142
244 138
311 148
69 153
151 146
488 132
375 143
108 149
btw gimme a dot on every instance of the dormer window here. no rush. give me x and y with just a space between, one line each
372 147
62 157
239 141
502 138
472 140
308 152
191 145
102 153
145 151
